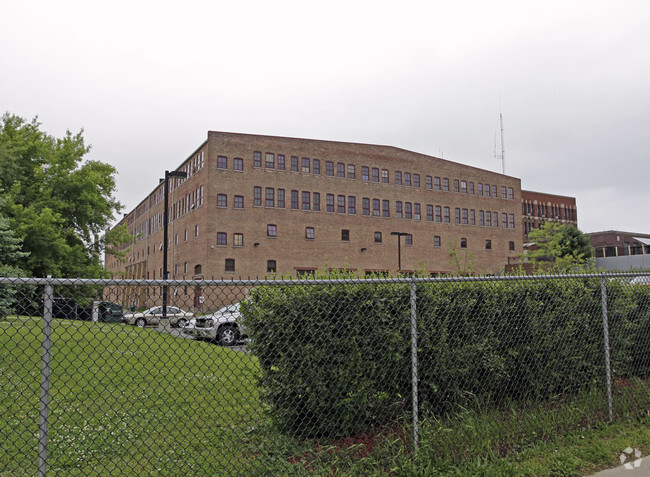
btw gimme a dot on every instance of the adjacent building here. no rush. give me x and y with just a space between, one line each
256 205
540 207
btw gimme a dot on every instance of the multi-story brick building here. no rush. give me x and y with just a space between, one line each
253 205
539 207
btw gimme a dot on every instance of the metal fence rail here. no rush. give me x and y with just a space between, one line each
329 375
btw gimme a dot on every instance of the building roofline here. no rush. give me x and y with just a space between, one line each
621 232
546 193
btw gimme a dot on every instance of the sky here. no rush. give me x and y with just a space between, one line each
146 80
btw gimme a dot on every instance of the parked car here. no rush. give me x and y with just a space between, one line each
641 280
151 316
223 326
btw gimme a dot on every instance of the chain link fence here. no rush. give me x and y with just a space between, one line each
331 376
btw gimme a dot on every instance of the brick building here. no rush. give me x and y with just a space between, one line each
614 243
539 207
253 205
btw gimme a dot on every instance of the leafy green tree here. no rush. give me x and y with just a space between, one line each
57 204
564 246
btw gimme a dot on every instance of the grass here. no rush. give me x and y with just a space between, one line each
137 402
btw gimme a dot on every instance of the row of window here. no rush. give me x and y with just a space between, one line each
554 211
342 204
190 167
368 174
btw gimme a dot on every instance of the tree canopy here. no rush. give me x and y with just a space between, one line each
56 203
563 245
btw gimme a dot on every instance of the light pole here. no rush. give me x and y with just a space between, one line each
399 249
168 174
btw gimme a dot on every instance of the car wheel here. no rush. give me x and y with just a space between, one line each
140 322
227 336
182 323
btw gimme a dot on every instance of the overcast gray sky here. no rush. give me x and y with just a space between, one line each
147 80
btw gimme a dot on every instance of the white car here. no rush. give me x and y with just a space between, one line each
151 316
223 326
641 280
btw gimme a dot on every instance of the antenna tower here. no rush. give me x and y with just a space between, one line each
501 156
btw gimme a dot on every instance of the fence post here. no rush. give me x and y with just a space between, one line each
46 354
608 372
414 366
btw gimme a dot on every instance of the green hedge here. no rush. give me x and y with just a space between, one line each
336 358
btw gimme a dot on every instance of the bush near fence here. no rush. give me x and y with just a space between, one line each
336 359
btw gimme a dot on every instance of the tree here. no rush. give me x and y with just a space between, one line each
56 203
564 246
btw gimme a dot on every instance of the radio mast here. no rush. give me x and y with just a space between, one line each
501 156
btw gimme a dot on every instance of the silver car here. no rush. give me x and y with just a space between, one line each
223 326
151 316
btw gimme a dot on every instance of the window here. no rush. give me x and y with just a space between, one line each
486 190
280 162
407 179
316 164
416 180
377 237
309 233
222 162
257 159
281 203
238 164
222 200
385 208
294 199
471 188
230 265
375 174
488 244
329 202
269 162
495 219
238 240
456 185
488 218
272 230
154 249
511 193
340 204
472 217
345 235
257 196
222 238
463 242
340 170
365 173
317 201
504 220
376 207
438 213
430 213
436 241
271 266
481 218
269 197
385 176
352 205
398 209
511 221
351 171
494 191
428 180
306 163
408 239
365 206
398 178
447 212
417 213
305 272
408 210
184 269
463 187
306 200
329 168
294 163
465 216
445 184
436 183
511 246
196 231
